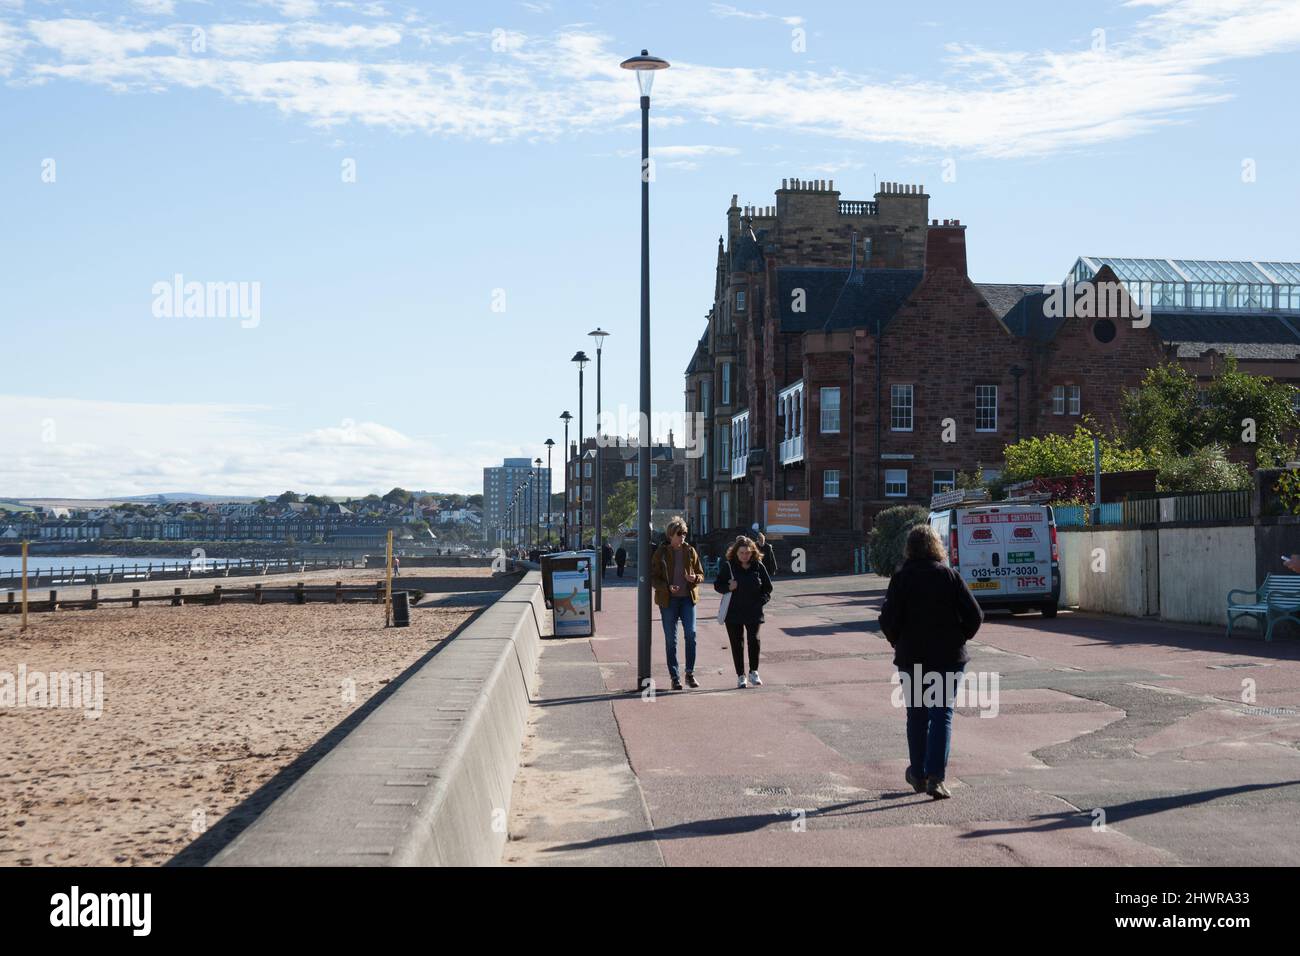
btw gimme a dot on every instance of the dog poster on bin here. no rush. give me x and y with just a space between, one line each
571 604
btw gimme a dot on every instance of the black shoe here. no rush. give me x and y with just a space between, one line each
677 685
691 681
935 788
918 783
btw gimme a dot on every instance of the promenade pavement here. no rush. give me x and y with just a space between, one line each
1115 742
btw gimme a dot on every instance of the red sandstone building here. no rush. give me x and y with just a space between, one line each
850 361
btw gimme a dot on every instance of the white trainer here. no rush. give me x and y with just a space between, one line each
740 681
754 679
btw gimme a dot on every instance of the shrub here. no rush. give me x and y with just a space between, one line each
1206 469
889 535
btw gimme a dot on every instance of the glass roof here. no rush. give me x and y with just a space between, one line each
1201 284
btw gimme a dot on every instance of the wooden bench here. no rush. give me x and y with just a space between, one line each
1277 599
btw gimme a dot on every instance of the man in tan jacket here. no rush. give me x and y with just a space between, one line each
675 574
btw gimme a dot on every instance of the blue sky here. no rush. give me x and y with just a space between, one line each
495 155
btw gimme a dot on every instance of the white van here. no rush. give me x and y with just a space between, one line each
1006 553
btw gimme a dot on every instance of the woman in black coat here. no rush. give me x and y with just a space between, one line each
928 616
743 576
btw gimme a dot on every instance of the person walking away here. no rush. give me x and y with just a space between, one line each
620 559
675 574
745 578
606 556
397 566
768 554
928 616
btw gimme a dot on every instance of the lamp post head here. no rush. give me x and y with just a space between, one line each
599 335
566 418
581 358
550 442
537 462
645 66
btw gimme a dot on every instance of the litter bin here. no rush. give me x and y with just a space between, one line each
401 608
566 586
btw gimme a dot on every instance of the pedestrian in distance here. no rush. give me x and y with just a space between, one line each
768 554
620 559
928 616
606 557
397 566
675 574
744 577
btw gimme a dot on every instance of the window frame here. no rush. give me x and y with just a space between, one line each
894 406
823 409
826 483
934 480
979 389
888 482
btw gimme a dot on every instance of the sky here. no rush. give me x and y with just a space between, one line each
342 246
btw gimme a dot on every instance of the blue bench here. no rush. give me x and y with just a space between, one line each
711 566
1277 599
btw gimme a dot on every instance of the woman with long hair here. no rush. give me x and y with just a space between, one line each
928 616
743 576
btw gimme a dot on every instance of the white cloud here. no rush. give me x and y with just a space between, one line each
986 102
344 38
726 10
102 449
159 7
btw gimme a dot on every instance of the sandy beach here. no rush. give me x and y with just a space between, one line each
201 706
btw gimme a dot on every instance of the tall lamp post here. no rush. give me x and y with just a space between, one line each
599 336
580 357
550 443
568 498
645 66
537 496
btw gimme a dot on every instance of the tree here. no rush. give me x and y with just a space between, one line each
1248 409
399 496
1167 417
620 508
476 501
287 498
1163 415
1059 455
889 536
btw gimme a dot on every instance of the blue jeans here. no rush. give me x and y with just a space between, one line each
929 731
679 609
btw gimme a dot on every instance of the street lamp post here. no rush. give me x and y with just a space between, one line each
566 418
537 496
599 335
645 66
550 443
581 358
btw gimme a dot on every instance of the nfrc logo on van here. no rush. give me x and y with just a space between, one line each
103 909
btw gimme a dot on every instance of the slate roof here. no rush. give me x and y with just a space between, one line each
1258 336
747 252
842 298
1003 296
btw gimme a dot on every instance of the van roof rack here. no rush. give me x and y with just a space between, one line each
959 496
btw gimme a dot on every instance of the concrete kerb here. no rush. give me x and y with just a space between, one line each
426 779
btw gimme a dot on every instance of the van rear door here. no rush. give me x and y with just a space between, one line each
1006 552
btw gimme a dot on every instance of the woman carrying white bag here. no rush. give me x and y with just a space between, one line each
745 587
